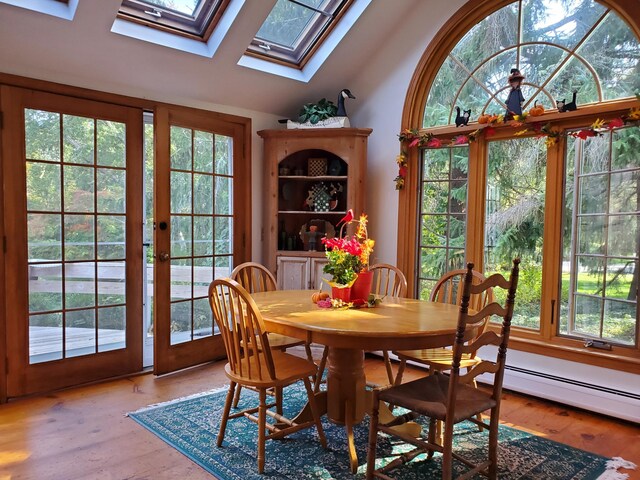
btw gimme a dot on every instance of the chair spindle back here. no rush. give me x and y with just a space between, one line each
242 329
388 280
254 277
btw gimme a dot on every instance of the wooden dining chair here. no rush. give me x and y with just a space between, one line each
251 362
388 280
447 290
450 398
256 278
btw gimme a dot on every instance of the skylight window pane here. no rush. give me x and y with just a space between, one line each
191 18
187 7
286 22
294 28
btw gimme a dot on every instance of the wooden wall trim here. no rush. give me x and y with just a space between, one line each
114 98
3 302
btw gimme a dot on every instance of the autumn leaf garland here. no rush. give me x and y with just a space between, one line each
410 138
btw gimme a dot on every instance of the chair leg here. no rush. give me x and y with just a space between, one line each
373 436
493 444
315 412
401 367
262 421
387 364
225 413
447 446
321 367
278 395
479 415
433 426
236 398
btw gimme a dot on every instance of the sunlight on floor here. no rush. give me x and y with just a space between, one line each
14 456
537 433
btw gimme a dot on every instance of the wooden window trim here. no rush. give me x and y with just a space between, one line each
254 50
175 27
546 342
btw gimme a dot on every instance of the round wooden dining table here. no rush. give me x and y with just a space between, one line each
395 324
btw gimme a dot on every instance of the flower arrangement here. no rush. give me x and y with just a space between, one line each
348 256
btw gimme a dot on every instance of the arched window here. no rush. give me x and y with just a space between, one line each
559 46
568 206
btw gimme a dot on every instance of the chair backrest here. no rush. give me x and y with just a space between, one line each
388 280
466 321
254 277
242 329
449 289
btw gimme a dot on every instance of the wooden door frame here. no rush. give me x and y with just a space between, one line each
23 378
167 357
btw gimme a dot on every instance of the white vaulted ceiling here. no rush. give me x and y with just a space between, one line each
84 52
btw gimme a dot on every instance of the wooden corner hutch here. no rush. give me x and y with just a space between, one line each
313 176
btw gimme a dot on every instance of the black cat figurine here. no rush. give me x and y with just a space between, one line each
462 119
563 106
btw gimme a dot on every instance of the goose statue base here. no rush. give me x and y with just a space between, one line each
333 122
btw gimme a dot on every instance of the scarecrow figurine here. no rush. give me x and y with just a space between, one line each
515 98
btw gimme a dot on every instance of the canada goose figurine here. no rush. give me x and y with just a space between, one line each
323 114
344 93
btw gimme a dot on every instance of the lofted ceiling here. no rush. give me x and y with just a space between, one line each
84 52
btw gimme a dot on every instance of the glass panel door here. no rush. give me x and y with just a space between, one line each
196 233
74 209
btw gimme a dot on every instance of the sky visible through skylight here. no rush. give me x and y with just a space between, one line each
187 7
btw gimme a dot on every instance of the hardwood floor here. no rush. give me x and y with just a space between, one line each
82 433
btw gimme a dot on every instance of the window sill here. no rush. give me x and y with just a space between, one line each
573 351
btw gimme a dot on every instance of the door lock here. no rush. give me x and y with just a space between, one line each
163 256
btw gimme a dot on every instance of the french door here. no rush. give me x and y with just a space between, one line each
72 174
202 229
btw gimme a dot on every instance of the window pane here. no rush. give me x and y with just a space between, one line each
43 187
515 207
181 330
45 337
78 189
44 237
80 333
181 148
112 143
442 214
111 328
78 139
599 289
42 135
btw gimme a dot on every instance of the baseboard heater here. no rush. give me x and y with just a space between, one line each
589 396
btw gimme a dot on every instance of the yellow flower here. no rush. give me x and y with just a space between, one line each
521 132
597 124
634 113
550 141
401 159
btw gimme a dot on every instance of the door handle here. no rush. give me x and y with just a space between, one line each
163 256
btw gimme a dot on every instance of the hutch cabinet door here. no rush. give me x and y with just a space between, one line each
293 273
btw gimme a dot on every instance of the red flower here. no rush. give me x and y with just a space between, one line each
615 123
489 131
586 133
460 140
434 143
414 142
402 171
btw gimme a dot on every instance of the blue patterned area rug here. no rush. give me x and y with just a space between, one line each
191 425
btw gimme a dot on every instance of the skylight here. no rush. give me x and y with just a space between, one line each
58 8
190 18
294 27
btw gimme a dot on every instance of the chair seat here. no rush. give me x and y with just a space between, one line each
278 341
437 356
428 396
289 368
